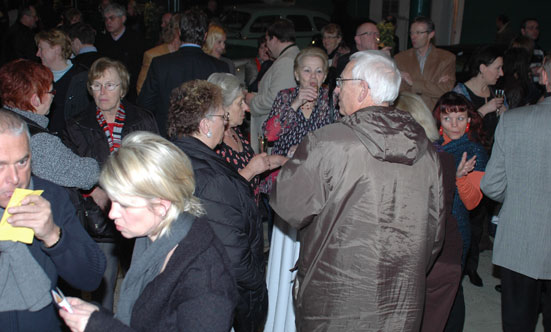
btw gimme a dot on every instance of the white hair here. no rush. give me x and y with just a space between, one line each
381 74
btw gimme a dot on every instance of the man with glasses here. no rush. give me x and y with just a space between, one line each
366 194
426 70
120 43
20 38
367 37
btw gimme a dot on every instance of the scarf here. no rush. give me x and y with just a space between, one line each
23 283
147 260
113 138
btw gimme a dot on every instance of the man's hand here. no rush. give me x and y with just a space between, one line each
444 79
100 197
35 213
407 77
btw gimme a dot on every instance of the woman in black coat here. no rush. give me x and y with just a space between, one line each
97 133
180 277
196 122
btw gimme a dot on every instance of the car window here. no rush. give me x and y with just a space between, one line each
235 20
262 23
320 22
302 24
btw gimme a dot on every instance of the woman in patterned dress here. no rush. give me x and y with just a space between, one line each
235 148
295 113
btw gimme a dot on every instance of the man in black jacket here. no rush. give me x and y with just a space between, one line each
19 41
83 38
60 246
169 71
121 44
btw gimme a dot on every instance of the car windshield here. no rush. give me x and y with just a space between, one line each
234 20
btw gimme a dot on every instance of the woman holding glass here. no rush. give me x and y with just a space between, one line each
235 148
179 278
485 68
295 113
197 123
97 133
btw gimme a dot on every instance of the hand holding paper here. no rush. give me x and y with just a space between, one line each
9 232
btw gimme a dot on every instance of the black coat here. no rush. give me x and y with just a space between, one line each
195 292
233 214
170 71
57 109
87 139
86 59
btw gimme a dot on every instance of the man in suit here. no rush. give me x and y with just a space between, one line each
82 38
280 39
518 175
169 71
426 70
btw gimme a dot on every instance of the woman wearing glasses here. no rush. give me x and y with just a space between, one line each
97 132
197 122
235 148
26 89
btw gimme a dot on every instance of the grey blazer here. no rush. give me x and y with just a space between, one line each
519 175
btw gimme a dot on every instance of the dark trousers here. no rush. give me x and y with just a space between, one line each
522 299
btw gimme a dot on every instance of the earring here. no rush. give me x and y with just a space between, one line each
468 126
209 134
441 131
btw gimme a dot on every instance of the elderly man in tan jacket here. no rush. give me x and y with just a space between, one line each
366 194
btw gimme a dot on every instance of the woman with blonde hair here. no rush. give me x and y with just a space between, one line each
54 50
179 278
215 45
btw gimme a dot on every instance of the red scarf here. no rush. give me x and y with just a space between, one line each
114 137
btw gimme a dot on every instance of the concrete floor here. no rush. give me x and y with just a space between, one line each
483 304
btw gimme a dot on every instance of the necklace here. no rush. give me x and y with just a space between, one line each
233 136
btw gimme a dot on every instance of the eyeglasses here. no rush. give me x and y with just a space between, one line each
225 116
111 18
417 33
369 33
109 86
52 92
340 80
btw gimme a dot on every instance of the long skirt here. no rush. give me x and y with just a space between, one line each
284 251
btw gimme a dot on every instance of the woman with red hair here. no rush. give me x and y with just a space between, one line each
462 136
26 89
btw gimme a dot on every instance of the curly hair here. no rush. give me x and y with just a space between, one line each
189 104
20 79
193 26
452 102
56 37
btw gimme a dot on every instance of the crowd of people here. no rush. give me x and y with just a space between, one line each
376 173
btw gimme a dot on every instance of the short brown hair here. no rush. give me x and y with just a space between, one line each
20 79
311 51
332 28
189 104
101 65
56 37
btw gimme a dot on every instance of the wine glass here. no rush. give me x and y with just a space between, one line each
499 93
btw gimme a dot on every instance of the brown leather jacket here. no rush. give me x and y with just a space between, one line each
367 196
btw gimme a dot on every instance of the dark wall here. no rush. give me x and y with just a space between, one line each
479 19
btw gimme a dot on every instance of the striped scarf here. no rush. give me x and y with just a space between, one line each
113 138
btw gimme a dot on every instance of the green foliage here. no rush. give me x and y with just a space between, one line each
386 30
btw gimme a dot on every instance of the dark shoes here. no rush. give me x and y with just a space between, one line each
475 279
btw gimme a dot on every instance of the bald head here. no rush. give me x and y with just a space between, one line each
367 37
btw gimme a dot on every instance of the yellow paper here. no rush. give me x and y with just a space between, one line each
7 231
